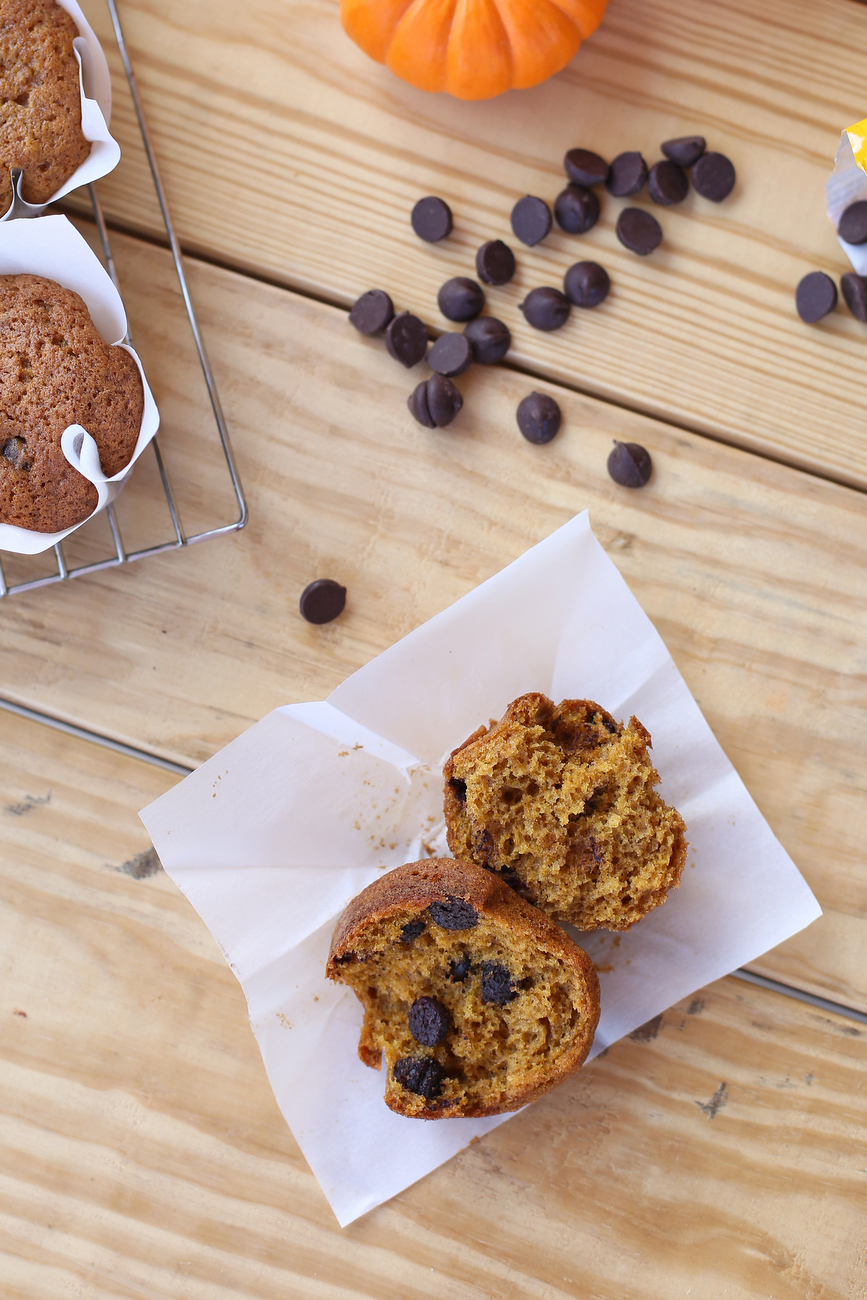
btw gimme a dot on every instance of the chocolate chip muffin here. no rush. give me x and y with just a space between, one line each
40 99
57 370
558 800
478 1001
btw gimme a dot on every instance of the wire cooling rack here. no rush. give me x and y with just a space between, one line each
121 555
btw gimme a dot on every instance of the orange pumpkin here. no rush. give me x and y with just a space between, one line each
473 49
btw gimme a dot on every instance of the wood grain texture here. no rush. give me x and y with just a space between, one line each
289 152
142 1157
753 573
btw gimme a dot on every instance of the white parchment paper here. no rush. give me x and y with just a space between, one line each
846 184
95 87
272 837
52 247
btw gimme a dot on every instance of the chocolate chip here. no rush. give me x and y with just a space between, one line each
497 984
854 293
546 308
586 284
576 209
627 176
406 339
460 298
371 312
815 296
630 465
428 1021
489 339
432 219
435 402
853 223
713 177
531 220
454 914
585 167
638 231
421 1075
13 451
322 600
344 959
685 150
412 930
460 969
539 418
450 355
668 184
495 262
459 787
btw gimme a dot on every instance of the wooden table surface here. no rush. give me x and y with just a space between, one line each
718 1152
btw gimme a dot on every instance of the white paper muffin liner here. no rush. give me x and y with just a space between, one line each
95 85
53 248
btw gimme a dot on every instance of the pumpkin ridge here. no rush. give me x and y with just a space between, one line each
425 24
478 30
576 12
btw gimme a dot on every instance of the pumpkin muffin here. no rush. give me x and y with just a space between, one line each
478 1002
57 370
40 99
559 801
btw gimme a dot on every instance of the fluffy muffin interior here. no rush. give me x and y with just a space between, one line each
559 801
470 1021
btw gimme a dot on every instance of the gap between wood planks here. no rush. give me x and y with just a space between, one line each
179 769
634 408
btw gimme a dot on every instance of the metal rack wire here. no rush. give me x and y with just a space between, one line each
121 554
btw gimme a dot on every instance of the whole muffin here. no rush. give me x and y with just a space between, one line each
40 99
559 801
57 370
478 1001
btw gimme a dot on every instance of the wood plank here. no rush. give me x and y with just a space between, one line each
719 1151
287 151
751 572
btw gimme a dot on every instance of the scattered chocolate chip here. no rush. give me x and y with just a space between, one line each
685 150
371 312
459 787
421 1075
576 209
497 984
345 958
435 402
450 355
815 296
428 1021
586 284
627 176
412 930
539 418
461 298
454 914
495 262
406 339
322 600
713 177
13 451
531 220
546 308
638 231
489 339
630 465
585 167
460 969
853 223
854 293
432 219
667 183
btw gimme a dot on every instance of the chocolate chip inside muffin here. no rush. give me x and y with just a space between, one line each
57 370
476 1000
40 99
559 801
